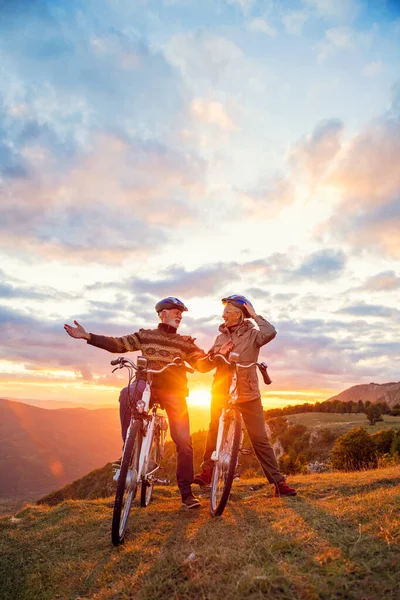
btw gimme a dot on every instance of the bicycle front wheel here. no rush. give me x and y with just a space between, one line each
127 483
224 467
147 484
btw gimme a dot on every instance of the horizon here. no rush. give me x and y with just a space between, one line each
198 150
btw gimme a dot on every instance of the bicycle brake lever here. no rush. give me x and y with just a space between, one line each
116 368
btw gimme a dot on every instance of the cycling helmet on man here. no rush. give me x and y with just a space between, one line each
168 303
239 302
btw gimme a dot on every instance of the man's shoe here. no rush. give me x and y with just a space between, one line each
282 489
203 478
190 502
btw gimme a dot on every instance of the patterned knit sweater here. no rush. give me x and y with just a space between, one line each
159 346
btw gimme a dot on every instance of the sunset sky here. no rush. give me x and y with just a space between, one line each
199 148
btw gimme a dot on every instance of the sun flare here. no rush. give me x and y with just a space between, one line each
201 397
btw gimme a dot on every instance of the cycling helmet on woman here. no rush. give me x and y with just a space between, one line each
239 302
170 302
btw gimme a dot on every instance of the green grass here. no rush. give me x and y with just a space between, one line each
342 422
337 540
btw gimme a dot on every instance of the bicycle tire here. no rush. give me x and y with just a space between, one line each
126 492
225 466
147 483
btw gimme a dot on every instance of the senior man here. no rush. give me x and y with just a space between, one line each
160 346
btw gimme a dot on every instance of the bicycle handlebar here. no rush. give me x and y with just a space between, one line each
228 362
121 361
262 367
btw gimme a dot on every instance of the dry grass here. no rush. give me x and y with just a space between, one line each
338 540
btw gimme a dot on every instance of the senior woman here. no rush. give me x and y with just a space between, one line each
246 340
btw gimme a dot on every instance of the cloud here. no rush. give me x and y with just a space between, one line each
108 202
293 21
310 350
212 279
372 68
336 38
203 56
78 73
322 265
357 177
313 154
369 310
308 162
386 281
245 5
342 10
367 182
204 281
212 113
260 25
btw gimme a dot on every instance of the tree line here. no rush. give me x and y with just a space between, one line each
373 411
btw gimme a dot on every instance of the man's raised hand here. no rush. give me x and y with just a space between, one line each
226 348
77 332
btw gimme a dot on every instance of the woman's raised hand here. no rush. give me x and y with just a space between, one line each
251 310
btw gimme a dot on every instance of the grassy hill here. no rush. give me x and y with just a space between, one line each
340 423
337 540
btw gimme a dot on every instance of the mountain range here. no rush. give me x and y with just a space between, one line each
374 392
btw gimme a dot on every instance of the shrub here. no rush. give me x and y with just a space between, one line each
294 434
326 435
354 450
287 465
383 441
395 446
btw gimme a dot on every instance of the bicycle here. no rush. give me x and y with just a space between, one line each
229 438
143 447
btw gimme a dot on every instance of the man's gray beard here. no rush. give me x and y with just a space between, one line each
173 323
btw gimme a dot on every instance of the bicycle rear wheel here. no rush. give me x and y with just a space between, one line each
127 484
224 467
146 490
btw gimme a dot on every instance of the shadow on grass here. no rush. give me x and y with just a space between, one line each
371 564
347 489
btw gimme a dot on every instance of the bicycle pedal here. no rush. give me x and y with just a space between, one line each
162 481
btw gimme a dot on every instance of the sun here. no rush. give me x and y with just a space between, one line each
200 397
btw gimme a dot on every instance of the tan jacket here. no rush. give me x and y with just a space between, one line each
247 342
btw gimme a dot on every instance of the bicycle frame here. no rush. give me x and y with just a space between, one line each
139 447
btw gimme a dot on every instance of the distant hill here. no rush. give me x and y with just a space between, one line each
55 404
41 450
374 392
44 449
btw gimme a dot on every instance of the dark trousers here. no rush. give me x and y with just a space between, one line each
178 417
253 417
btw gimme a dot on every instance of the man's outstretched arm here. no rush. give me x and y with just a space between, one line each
116 345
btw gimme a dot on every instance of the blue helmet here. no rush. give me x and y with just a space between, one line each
170 302
239 302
